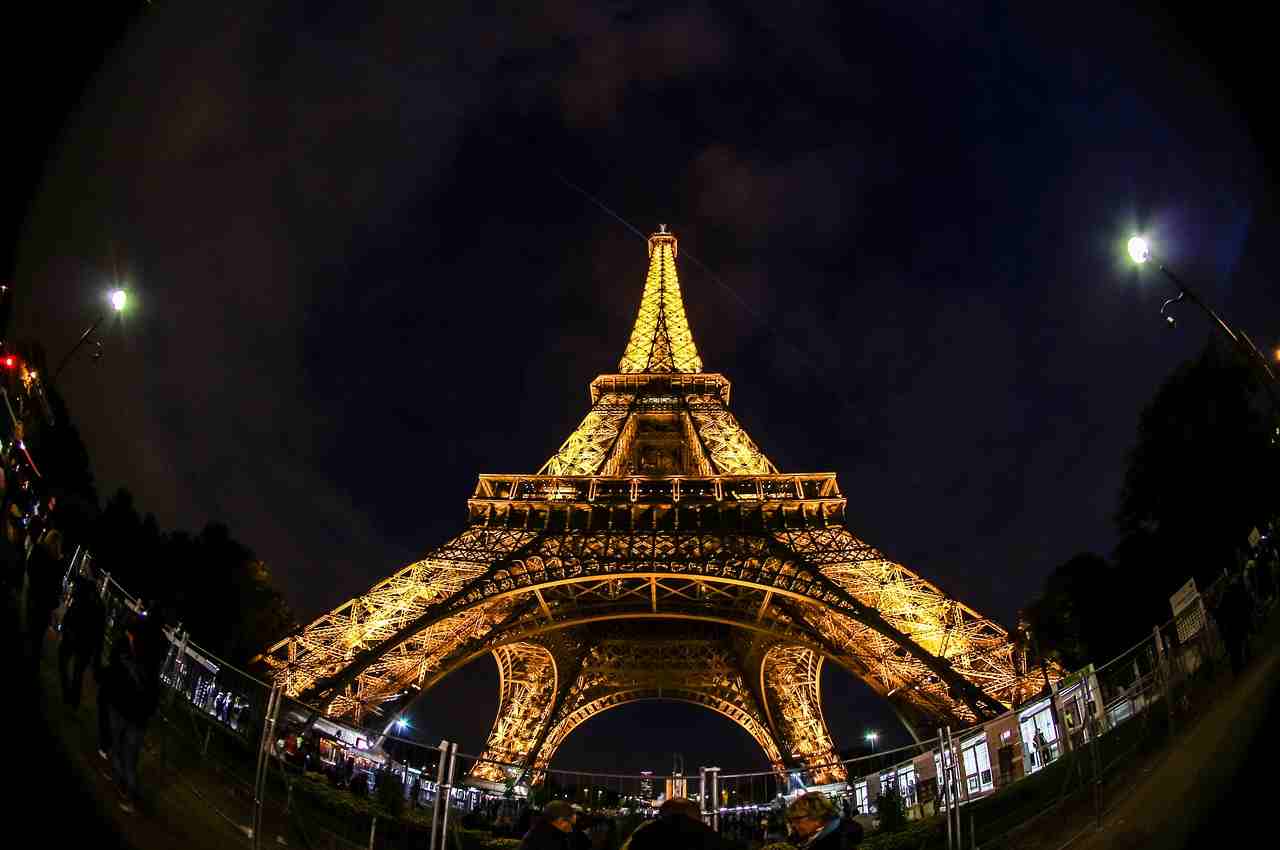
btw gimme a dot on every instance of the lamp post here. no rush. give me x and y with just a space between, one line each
118 299
1139 248
872 737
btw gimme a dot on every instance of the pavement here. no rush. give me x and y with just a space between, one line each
1218 776
59 786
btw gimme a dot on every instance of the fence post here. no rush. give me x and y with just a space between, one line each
264 751
715 797
447 792
1064 742
1162 666
955 787
436 808
703 785
943 756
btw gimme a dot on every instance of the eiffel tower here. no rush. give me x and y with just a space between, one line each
658 554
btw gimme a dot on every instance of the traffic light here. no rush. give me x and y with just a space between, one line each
10 362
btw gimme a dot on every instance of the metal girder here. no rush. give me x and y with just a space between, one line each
790 680
527 684
661 340
698 669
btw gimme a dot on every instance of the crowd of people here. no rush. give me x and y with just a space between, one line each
812 822
1241 603
124 661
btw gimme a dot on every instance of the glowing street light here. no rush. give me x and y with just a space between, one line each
1139 248
872 737
402 724
118 298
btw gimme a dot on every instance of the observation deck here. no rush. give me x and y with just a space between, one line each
803 500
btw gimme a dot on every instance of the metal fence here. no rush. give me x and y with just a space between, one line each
277 771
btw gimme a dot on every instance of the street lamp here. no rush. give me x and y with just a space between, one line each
873 737
1139 248
118 299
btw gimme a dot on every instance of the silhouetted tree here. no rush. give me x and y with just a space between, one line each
214 584
1083 613
1201 474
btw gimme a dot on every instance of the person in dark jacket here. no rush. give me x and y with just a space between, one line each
135 694
81 645
552 831
817 825
1233 615
105 675
678 826
578 837
44 587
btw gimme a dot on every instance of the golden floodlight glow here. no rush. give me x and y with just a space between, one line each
659 553
661 340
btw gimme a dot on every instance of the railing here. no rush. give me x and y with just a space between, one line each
814 487
1073 750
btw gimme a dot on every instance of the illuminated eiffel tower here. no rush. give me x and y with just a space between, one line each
658 554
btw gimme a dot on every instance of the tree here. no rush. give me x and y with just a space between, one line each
1085 613
211 582
1201 474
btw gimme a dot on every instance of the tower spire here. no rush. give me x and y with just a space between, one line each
661 340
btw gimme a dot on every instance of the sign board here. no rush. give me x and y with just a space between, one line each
1187 611
1075 678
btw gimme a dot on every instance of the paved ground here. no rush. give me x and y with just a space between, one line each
1218 777
64 799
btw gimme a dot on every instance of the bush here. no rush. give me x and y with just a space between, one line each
912 837
390 794
891 810
502 844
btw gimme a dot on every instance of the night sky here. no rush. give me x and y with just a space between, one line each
365 268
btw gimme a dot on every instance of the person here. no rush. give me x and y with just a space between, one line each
524 821
678 826
817 824
81 644
552 830
1041 747
44 586
106 675
1233 615
578 838
11 545
135 694
774 830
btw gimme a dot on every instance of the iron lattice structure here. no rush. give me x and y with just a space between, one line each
658 554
